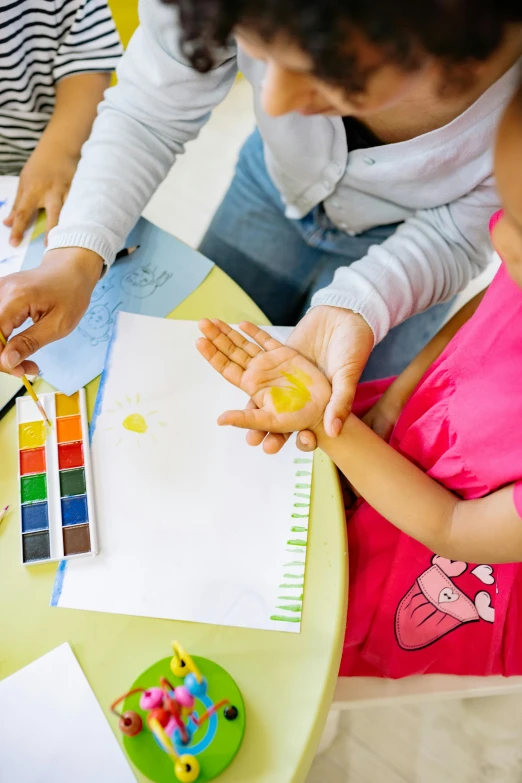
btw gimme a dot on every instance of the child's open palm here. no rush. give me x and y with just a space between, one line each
290 393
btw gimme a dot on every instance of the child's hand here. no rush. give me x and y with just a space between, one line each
290 393
44 183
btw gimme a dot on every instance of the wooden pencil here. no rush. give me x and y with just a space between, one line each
29 388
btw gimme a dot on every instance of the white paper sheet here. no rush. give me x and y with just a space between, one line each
11 258
193 523
52 729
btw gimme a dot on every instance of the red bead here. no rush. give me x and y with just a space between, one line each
130 724
171 705
161 715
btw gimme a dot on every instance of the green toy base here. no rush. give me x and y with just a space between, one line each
152 761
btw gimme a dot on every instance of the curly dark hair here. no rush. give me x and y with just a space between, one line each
455 31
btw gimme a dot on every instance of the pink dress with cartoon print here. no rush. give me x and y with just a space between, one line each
410 611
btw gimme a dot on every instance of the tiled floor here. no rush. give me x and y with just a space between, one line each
471 741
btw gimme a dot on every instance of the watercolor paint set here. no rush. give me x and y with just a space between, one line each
56 497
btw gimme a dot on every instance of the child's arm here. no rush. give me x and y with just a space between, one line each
290 393
46 177
385 413
485 530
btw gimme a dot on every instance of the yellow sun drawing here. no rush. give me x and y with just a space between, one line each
132 419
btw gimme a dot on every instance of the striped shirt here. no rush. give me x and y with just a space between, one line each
41 42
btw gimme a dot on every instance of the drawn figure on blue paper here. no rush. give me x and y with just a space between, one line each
97 323
101 288
144 280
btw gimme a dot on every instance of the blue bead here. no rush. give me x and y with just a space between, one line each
194 687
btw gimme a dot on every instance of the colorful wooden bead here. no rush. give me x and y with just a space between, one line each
151 698
178 666
130 724
230 712
184 697
186 769
171 727
161 715
171 705
194 687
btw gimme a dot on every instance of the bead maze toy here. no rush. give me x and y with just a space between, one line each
186 728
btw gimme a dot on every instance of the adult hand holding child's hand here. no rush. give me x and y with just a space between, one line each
289 392
55 296
338 342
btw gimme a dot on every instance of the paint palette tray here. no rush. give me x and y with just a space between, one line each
56 497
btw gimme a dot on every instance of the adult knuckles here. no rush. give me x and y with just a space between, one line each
27 343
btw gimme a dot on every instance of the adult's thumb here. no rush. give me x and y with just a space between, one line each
344 385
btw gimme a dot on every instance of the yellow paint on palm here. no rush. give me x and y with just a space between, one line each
135 423
293 398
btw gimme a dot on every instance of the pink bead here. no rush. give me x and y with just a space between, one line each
184 697
170 727
151 699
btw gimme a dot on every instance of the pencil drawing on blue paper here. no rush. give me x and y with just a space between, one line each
143 281
96 325
152 280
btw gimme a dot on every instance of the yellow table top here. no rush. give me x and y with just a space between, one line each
287 680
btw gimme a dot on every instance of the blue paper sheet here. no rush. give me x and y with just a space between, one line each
153 281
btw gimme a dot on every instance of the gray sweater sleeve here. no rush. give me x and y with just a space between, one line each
159 104
429 259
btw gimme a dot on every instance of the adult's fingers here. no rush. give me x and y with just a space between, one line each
22 214
26 343
25 368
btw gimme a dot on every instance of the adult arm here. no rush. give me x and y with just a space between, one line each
88 51
46 177
429 259
159 104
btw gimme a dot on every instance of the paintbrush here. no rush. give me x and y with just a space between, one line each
29 388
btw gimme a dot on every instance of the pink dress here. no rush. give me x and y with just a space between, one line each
410 611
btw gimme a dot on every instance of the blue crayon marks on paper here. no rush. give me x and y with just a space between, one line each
58 583
74 510
35 517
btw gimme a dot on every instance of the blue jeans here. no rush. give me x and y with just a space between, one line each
281 263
